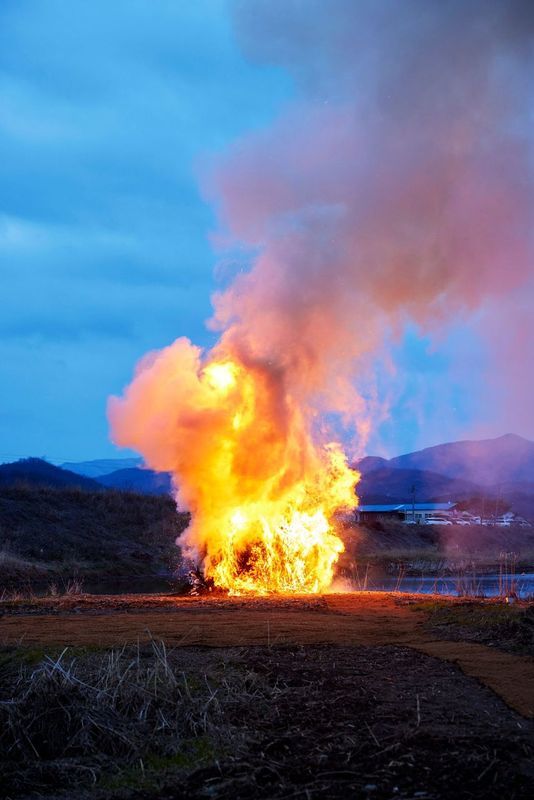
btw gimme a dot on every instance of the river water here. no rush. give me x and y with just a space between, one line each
487 585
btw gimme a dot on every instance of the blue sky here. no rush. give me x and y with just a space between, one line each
108 113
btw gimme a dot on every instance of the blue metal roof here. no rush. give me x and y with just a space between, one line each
381 507
401 507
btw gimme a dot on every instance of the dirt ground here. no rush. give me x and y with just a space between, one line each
337 696
370 722
362 619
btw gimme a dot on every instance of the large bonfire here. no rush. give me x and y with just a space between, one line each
262 491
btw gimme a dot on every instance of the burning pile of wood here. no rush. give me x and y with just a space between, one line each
199 583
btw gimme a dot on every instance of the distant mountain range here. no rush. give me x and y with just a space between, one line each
126 474
507 459
501 468
101 466
390 485
37 472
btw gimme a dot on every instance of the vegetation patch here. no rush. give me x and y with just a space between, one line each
155 771
508 626
51 532
115 718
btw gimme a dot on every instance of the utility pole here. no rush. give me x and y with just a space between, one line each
413 503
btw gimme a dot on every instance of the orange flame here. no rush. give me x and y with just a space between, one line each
262 491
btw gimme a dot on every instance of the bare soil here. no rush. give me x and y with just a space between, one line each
375 722
363 619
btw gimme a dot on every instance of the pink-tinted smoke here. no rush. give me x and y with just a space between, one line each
397 188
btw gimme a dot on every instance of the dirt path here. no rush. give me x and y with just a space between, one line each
377 622
375 619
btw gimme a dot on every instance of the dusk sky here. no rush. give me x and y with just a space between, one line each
111 117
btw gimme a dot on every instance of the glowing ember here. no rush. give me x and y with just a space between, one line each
261 491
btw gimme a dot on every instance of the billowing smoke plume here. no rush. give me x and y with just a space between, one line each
397 188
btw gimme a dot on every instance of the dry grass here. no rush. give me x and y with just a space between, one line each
508 627
57 589
271 722
45 531
77 715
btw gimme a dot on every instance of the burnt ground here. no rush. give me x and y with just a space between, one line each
339 696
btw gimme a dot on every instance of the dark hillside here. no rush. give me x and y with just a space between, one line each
387 485
38 472
88 533
138 480
519 496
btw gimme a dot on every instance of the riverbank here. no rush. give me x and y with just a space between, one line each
62 535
